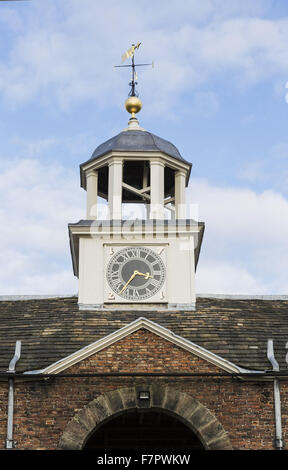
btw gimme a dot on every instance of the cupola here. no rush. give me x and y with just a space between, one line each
136 166
147 263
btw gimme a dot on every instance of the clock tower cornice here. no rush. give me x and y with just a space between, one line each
148 156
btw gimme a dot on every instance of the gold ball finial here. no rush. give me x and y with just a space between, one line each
133 105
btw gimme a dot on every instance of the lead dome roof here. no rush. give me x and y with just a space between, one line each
138 140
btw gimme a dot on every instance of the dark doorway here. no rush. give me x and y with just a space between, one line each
144 430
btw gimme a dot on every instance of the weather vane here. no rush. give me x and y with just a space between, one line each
130 53
133 103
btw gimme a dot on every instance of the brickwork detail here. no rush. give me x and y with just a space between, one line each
43 408
196 416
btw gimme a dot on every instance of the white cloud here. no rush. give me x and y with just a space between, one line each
253 171
64 52
38 201
270 168
245 247
35 147
216 277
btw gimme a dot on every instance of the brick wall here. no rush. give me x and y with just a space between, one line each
43 408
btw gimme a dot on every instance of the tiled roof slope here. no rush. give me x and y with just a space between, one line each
53 328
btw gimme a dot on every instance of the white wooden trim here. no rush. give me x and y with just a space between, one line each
141 322
171 162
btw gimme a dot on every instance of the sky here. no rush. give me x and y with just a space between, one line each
218 91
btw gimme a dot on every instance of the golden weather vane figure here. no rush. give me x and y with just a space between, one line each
133 103
130 52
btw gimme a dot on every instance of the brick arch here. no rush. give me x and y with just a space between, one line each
162 398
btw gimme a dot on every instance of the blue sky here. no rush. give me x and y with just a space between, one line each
218 92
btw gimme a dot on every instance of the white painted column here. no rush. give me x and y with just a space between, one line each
157 189
92 193
115 188
145 184
180 203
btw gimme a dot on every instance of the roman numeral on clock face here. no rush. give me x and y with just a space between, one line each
114 275
118 286
136 252
153 282
134 293
123 257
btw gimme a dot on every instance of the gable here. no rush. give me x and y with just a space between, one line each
143 352
149 353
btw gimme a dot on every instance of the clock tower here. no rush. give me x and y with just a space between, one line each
146 263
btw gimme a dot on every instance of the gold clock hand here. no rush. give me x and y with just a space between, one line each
146 275
128 282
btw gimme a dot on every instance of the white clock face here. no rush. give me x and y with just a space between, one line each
136 273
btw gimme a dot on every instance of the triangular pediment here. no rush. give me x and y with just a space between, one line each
106 341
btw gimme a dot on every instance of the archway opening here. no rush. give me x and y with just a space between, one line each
144 429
